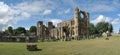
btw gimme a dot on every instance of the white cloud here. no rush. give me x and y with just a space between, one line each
25 14
99 8
55 21
107 19
11 14
115 21
47 11
3 9
64 11
101 18
96 5
6 16
118 14
60 12
35 7
31 7
67 11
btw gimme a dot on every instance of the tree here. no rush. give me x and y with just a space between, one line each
33 29
119 31
103 27
93 29
14 32
20 30
110 28
27 32
10 30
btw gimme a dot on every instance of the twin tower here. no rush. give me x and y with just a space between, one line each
77 27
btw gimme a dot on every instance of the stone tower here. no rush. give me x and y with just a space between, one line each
39 28
76 20
49 25
85 23
81 27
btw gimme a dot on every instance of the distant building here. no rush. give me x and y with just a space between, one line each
77 28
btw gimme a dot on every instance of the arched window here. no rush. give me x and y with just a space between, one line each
82 15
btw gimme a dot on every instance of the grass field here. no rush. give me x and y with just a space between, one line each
98 46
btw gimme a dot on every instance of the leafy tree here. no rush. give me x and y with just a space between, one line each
27 32
10 30
20 30
33 29
103 27
14 32
93 29
110 28
6 32
119 31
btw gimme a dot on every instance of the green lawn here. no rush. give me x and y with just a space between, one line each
98 46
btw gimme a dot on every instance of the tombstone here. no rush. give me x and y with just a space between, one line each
31 47
27 39
18 39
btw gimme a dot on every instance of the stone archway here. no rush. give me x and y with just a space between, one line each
67 32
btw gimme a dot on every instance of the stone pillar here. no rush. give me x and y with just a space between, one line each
76 20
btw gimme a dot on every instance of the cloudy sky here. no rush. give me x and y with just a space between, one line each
26 13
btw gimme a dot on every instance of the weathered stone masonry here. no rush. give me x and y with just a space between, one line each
77 28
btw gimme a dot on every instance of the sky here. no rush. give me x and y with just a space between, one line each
26 13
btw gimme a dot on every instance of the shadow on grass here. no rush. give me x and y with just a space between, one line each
34 49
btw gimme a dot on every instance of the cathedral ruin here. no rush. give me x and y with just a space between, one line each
76 28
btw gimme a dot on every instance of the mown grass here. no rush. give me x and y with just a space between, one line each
98 46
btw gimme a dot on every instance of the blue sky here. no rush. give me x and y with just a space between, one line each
26 13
